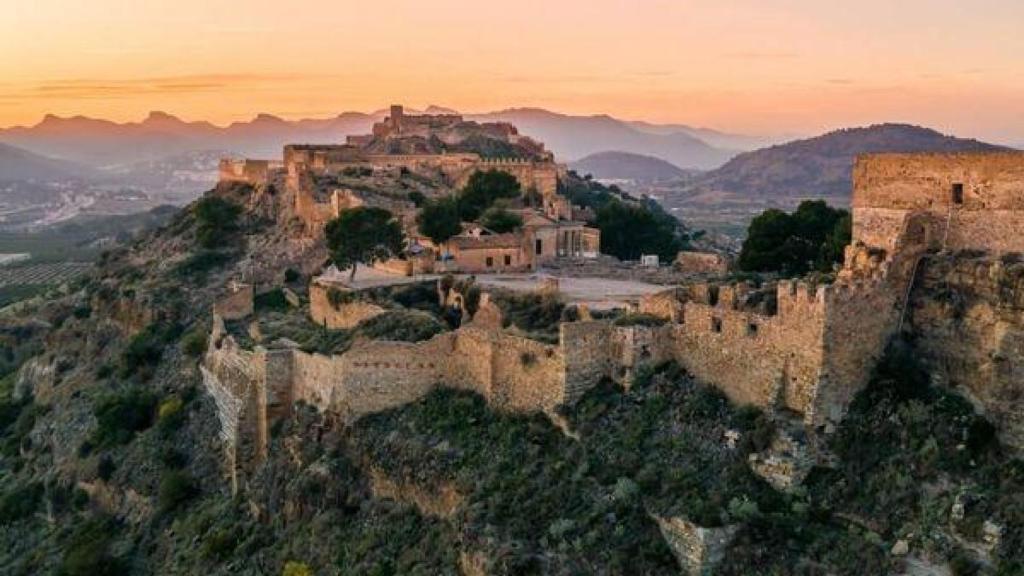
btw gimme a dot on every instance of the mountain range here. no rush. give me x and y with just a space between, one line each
820 167
628 166
103 143
19 164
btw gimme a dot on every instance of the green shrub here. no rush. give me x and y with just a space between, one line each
216 220
120 416
293 568
88 552
292 275
145 349
220 544
194 343
198 264
639 319
171 414
176 488
20 502
338 297
105 467
401 325
272 300
417 198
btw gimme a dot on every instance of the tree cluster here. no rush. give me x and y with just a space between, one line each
629 230
810 239
442 219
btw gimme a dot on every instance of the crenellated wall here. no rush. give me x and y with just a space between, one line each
809 349
254 388
772 361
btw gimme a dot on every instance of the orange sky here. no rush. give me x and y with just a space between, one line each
756 66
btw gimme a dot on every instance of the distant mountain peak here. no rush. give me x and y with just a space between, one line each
264 117
616 165
436 110
160 116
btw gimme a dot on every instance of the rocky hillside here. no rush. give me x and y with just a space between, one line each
627 166
111 461
820 167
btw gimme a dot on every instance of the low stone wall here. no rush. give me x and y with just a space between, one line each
254 388
697 549
702 263
345 315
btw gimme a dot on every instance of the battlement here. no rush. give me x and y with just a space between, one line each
247 171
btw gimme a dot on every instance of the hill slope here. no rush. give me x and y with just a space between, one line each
573 137
820 167
614 165
18 164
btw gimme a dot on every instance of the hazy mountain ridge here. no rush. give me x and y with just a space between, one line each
615 165
821 166
102 142
573 137
19 164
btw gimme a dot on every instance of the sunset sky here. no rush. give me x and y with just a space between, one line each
754 66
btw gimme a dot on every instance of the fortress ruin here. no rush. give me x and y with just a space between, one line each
419 145
935 256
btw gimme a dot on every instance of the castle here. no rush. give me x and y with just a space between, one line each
437 147
935 255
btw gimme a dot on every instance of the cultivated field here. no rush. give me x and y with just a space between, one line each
46 273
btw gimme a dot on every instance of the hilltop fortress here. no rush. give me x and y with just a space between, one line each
431 145
444 149
935 256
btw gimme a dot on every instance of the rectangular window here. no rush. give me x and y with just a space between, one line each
490 261
958 193
538 246
716 324
752 329
508 260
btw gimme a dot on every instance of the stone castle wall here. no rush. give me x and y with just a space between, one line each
252 389
764 360
344 315
988 214
247 171
702 262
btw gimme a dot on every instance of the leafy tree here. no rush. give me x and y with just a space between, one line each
501 220
483 189
365 234
216 218
440 220
811 238
629 230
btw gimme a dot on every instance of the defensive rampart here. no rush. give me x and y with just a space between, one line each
252 388
976 199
